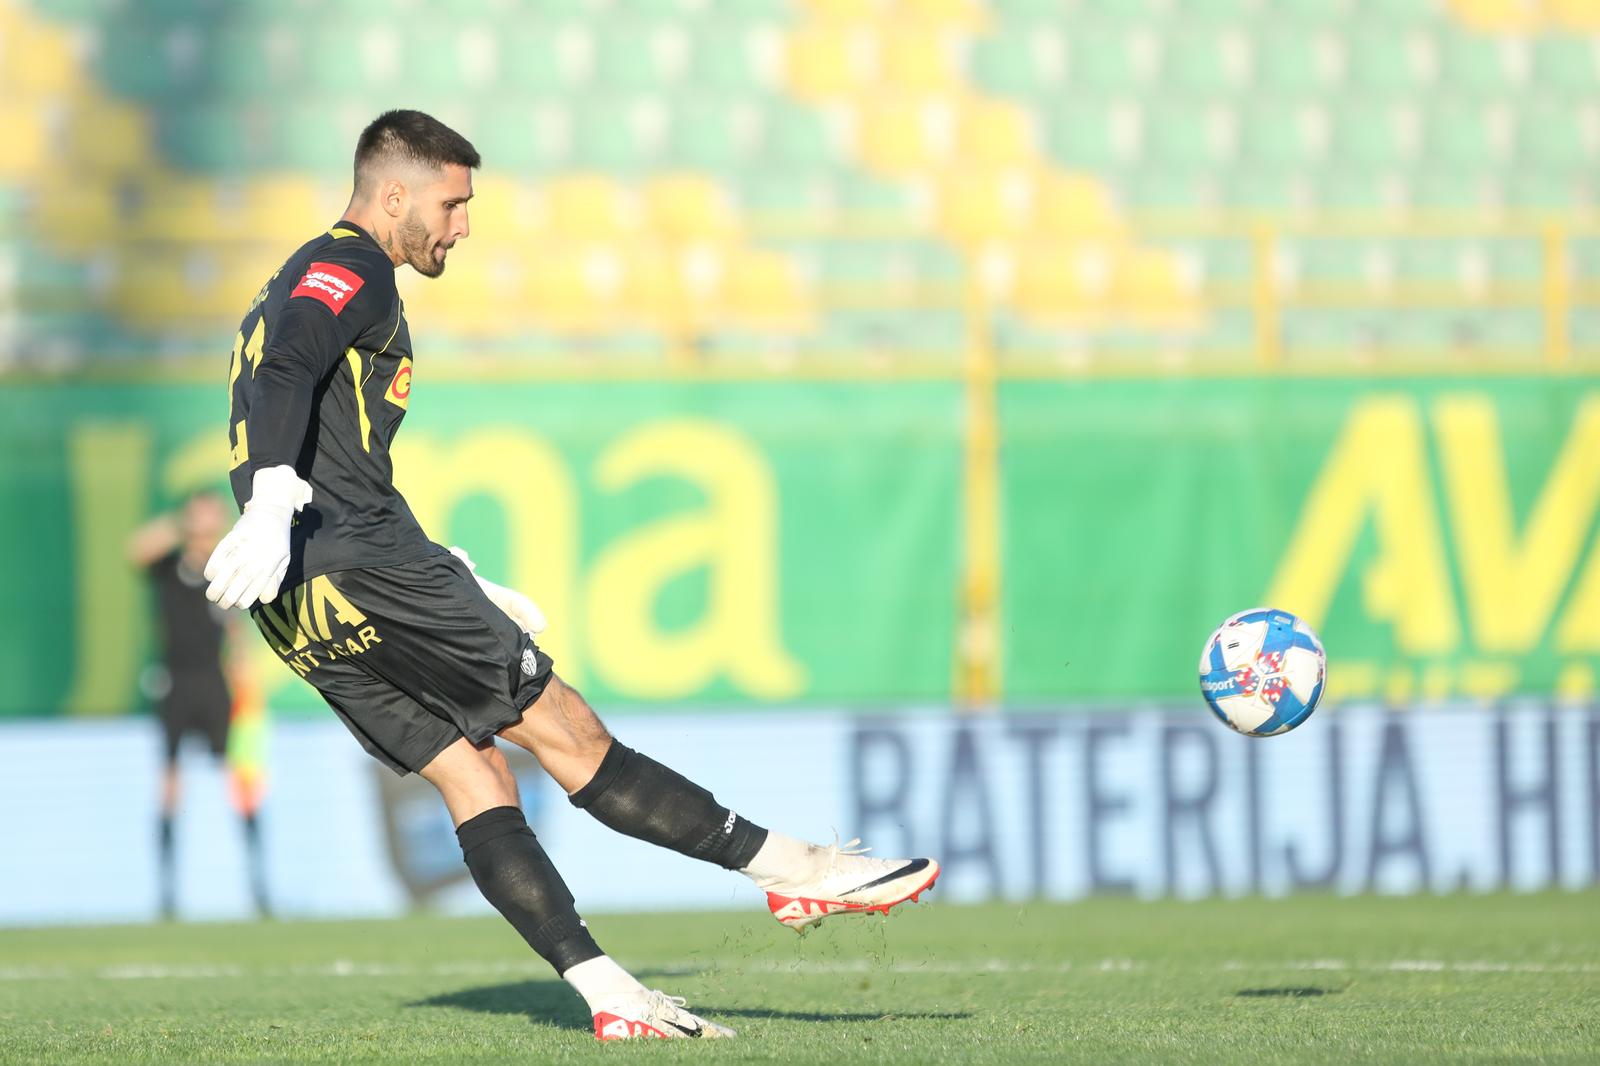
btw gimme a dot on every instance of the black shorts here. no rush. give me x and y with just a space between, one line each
199 703
411 657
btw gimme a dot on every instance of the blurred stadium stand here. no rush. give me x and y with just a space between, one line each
803 185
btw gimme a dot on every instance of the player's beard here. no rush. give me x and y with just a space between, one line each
417 246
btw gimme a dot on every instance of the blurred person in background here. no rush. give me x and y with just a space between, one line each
200 655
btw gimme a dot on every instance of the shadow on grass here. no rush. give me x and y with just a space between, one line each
1293 992
554 1003
549 1002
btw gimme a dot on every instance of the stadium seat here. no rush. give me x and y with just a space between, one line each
1015 64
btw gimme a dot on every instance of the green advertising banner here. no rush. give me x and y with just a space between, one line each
728 544
1439 533
782 543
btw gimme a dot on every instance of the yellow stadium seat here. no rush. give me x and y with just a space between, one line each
77 216
968 14
973 208
1581 15
655 289
1050 283
588 208
106 136
1145 283
26 140
825 61
1497 15
895 139
36 60
994 135
284 209
572 289
762 288
1074 206
500 210
177 208
683 208
917 61
842 10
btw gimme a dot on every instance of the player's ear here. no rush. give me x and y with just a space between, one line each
393 197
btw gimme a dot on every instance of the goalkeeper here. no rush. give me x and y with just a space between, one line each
424 662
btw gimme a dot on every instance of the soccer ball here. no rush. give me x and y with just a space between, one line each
1261 672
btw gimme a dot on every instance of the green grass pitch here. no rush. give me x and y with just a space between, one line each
1308 979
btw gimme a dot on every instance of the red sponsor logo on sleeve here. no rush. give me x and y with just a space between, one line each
331 283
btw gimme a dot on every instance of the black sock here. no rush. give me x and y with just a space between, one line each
636 795
518 878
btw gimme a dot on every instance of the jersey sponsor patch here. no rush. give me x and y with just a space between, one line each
331 283
399 391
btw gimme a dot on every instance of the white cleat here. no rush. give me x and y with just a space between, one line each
847 882
654 1015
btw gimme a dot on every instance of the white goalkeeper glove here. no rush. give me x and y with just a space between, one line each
249 563
517 607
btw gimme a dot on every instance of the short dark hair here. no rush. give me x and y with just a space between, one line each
415 137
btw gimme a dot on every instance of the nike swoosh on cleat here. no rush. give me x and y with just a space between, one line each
909 868
685 1030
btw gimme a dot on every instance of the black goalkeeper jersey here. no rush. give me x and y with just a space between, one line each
319 380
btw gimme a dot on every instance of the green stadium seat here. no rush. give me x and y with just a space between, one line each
726 59
1396 13
1082 134
1365 137
1565 64
793 135
1158 191
314 138
1584 255
1344 189
1537 190
1195 63
1289 65
1477 65
535 58
515 136
875 200
1381 63
135 62
1248 190
1551 136
1178 136
708 133
1028 11
1221 260
212 137
1318 335
1274 136
605 135
1240 12
444 63
779 197
1447 189
1460 135
1344 260
1103 61
1513 259
1429 259
634 59
1013 64
239 63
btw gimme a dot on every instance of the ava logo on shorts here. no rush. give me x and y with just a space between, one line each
399 391
530 663
331 283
